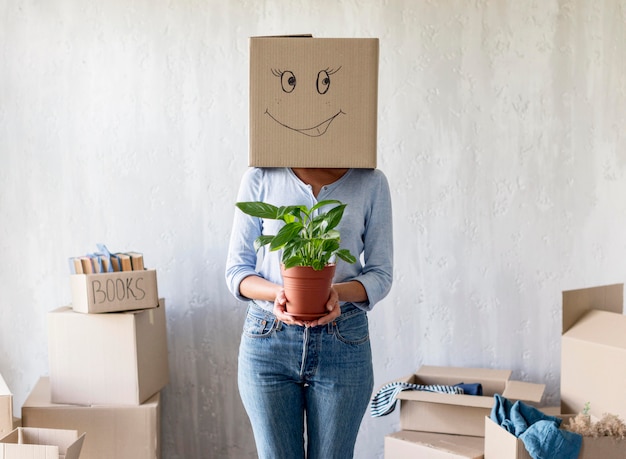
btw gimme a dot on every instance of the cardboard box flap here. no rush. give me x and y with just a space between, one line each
493 381
4 388
499 444
73 450
519 390
600 327
447 399
6 408
577 303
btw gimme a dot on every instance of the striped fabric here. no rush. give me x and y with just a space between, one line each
384 402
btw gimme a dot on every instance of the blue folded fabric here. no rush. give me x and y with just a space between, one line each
538 431
471 388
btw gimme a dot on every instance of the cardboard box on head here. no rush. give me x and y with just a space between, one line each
313 102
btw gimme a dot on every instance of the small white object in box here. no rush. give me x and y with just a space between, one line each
107 359
114 292
454 413
33 443
409 444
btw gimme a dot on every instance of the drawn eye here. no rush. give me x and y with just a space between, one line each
323 81
288 81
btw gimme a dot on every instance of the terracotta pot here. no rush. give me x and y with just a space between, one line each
307 290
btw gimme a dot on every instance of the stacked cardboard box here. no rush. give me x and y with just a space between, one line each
108 363
8 422
443 425
593 371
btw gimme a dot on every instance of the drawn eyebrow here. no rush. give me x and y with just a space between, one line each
330 71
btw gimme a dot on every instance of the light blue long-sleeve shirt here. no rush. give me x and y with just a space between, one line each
366 228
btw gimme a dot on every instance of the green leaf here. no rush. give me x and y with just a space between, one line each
327 202
286 234
346 256
258 209
334 216
318 265
292 261
262 240
292 213
330 245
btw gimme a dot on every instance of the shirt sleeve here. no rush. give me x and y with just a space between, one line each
377 274
242 258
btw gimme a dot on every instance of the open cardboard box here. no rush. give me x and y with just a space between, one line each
500 444
593 351
313 102
459 414
107 359
114 292
408 444
6 408
120 432
39 443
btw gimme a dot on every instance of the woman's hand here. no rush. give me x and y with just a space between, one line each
334 310
332 305
280 311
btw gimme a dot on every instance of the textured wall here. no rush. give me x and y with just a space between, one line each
501 130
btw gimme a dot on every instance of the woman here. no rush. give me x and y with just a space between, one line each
319 374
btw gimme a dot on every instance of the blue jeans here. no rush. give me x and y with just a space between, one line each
292 376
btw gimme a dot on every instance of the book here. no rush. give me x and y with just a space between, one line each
87 265
115 263
105 261
76 267
124 262
136 260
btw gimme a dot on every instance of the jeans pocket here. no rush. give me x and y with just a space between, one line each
352 329
258 324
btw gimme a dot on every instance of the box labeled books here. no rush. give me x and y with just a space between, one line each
114 291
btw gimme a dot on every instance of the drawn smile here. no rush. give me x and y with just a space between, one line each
314 131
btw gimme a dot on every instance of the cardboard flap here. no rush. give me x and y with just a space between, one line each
500 444
493 381
11 437
519 390
6 408
447 399
600 327
73 451
577 303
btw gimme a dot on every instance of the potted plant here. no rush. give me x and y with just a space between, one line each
310 243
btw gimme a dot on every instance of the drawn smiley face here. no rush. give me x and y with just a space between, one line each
319 86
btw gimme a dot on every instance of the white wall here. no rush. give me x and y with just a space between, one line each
501 130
